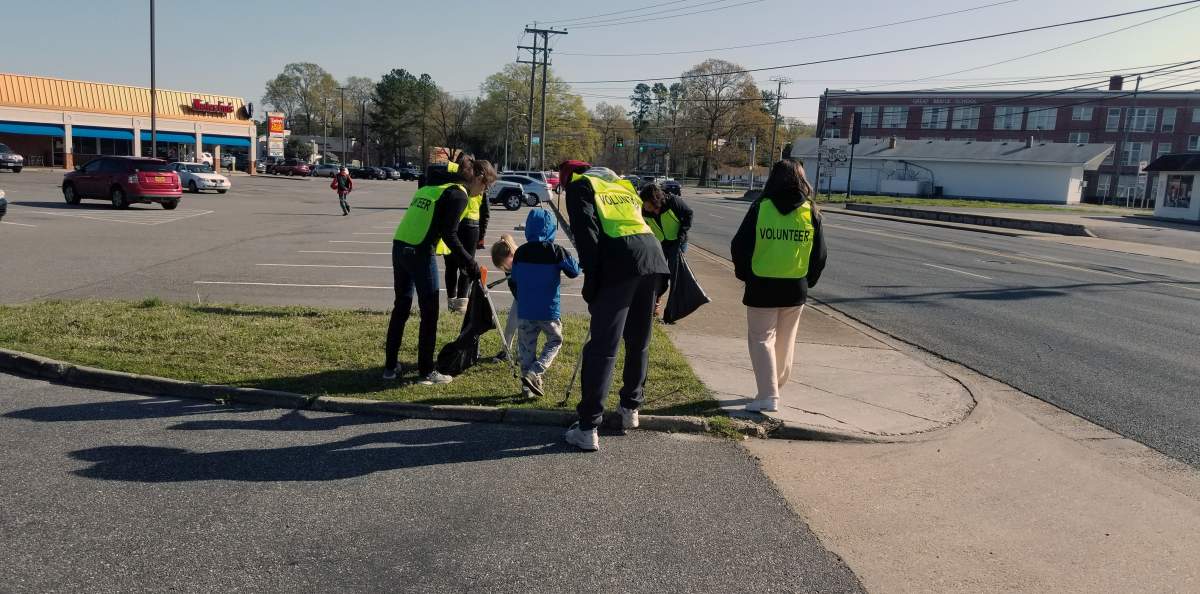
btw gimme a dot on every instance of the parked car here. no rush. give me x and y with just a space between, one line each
391 172
205 158
260 166
3 205
198 176
367 173
325 170
671 186
410 173
124 181
506 193
536 191
228 161
10 160
291 167
553 181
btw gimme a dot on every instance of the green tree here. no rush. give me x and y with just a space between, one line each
716 95
610 123
398 117
313 85
281 94
568 127
643 106
295 149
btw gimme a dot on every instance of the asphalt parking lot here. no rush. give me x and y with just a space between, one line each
270 240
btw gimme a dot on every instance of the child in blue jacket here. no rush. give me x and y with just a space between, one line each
537 269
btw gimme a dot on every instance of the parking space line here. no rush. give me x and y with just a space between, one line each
350 241
17 224
326 266
348 253
315 286
150 218
370 233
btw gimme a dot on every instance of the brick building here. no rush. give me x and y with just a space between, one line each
1159 122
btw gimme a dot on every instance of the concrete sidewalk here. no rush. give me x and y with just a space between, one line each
849 382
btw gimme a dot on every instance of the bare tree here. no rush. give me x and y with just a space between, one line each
450 116
714 92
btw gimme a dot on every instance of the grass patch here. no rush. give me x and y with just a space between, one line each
313 351
965 203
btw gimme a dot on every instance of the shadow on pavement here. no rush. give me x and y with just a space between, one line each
1004 294
292 420
98 204
140 408
347 458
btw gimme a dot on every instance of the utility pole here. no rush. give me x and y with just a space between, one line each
824 105
343 118
153 93
753 154
362 130
325 132
533 62
1112 188
779 82
507 104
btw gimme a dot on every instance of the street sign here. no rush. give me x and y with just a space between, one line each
275 146
275 125
537 140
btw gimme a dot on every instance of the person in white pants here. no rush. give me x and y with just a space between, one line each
779 252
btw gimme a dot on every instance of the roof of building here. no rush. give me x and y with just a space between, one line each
1017 152
1176 162
1030 94
39 92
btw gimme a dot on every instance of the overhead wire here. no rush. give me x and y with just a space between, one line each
640 20
898 50
617 12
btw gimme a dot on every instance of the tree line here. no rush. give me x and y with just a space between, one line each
690 127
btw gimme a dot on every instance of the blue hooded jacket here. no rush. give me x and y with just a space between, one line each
537 266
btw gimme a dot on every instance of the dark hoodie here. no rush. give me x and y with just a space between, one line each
775 292
607 260
537 266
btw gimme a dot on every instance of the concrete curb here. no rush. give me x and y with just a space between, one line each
1052 227
928 223
91 377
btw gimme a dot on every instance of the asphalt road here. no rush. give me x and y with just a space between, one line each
270 240
1112 337
110 492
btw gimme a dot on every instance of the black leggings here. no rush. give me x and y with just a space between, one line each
457 281
414 271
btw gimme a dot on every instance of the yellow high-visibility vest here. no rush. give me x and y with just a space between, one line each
414 227
669 231
473 207
782 242
618 207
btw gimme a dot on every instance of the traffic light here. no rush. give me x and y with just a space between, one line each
620 142
641 148
856 128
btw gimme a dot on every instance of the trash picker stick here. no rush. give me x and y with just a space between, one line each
578 365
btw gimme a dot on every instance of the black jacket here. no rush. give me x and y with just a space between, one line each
606 260
775 292
446 215
682 211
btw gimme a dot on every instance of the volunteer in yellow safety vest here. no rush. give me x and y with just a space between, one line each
669 218
779 252
471 230
623 265
430 226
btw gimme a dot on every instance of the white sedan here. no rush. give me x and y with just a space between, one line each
200 176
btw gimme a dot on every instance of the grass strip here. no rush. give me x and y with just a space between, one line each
312 351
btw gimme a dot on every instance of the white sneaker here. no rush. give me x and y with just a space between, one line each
629 417
586 440
435 378
763 405
391 374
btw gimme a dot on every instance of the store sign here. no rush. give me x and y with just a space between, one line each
275 124
206 107
275 146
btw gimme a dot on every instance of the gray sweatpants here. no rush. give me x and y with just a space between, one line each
527 333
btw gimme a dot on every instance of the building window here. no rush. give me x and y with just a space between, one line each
1078 137
1008 118
895 117
1134 152
1193 143
1143 119
1081 114
1168 120
869 116
935 118
965 118
833 122
1179 191
1114 119
1163 149
1042 118
1127 186
1102 184
1196 115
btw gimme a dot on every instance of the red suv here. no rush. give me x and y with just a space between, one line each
291 167
124 181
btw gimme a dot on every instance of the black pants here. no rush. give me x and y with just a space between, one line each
458 283
413 269
620 311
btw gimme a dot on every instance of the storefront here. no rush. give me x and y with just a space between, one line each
1176 195
63 123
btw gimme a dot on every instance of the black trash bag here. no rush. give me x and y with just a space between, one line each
463 352
686 294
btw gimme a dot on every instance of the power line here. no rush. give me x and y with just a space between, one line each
783 41
631 17
619 12
640 20
897 51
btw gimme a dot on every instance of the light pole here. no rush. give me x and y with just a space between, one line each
153 92
325 132
343 118
780 81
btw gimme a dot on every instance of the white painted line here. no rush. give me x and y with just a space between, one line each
326 266
957 270
370 233
350 253
17 224
350 241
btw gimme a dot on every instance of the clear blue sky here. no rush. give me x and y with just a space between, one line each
233 47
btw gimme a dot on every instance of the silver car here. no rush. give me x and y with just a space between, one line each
325 170
536 191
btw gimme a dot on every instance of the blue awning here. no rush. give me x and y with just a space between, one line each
35 129
225 140
89 132
170 137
